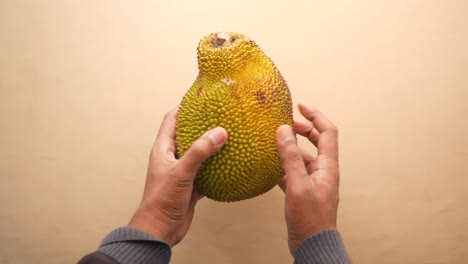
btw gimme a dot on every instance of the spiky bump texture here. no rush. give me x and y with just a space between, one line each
240 89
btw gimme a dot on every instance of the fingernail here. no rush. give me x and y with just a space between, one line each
285 134
217 135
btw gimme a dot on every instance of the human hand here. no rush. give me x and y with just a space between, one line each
311 183
168 203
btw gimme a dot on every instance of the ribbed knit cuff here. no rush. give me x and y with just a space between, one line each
132 246
325 247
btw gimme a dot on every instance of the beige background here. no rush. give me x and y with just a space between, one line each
84 86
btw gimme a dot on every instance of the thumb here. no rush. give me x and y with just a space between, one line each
290 156
203 148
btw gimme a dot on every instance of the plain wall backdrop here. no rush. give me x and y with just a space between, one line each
84 86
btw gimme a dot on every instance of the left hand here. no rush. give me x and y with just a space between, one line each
311 184
169 200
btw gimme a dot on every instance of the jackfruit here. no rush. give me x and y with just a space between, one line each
240 89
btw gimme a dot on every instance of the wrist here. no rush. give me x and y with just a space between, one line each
321 246
153 225
297 237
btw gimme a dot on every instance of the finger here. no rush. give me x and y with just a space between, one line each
196 195
204 147
165 140
282 183
307 130
327 142
291 157
319 120
308 161
308 158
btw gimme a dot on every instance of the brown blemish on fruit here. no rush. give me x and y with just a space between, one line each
199 90
261 97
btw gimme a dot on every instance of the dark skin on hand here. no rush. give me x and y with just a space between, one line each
310 185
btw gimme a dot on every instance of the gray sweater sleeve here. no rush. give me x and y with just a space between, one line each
132 246
325 247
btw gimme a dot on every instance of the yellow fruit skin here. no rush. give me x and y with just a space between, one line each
240 89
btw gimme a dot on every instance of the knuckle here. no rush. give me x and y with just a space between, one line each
152 155
292 153
168 115
180 182
201 147
301 193
333 129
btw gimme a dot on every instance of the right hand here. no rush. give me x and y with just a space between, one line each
311 183
169 199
